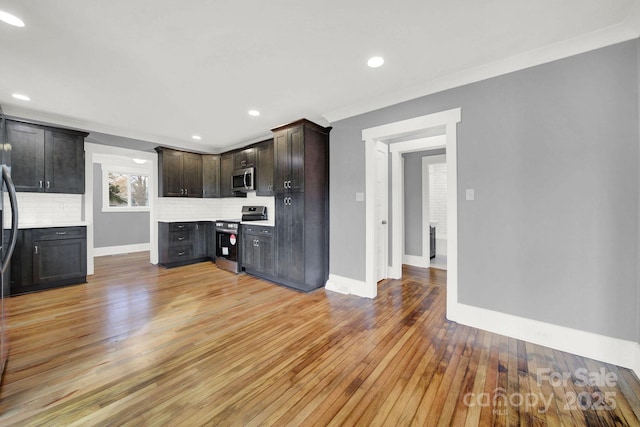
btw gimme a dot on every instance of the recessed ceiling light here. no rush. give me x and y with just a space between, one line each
196 137
21 97
11 19
375 62
254 113
140 161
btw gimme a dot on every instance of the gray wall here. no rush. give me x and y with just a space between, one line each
552 153
413 232
116 228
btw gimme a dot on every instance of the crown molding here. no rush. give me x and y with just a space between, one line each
627 30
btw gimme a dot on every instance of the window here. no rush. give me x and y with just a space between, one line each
124 191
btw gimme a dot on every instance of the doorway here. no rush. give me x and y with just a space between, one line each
436 130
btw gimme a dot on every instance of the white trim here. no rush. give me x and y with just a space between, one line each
599 347
619 33
416 261
426 219
123 249
412 134
99 151
345 285
384 193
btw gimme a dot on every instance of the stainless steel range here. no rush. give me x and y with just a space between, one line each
228 242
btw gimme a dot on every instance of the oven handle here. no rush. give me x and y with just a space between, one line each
246 186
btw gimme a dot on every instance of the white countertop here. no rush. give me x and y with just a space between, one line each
62 224
266 223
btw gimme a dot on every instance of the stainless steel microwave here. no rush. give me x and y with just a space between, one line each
243 179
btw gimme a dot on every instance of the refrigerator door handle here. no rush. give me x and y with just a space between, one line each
13 200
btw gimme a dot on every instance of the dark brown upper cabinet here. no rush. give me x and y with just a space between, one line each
244 158
210 175
45 159
180 173
264 168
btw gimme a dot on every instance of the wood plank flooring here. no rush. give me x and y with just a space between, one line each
195 345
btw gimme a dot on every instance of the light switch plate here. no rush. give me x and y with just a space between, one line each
359 196
470 194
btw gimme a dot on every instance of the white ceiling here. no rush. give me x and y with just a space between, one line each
161 70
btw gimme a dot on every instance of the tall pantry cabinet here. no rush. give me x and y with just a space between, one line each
301 185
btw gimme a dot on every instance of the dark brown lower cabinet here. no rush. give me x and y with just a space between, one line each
182 243
47 258
257 250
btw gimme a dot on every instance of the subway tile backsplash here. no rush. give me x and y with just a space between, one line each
187 209
44 209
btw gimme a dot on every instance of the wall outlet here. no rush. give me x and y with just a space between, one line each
359 196
470 194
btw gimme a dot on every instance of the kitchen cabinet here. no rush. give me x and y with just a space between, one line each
45 159
180 173
47 258
264 168
226 173
257 250
245 158
210 175
289 158
181 243
301 171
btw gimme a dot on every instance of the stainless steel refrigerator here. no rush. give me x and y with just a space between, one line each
7 243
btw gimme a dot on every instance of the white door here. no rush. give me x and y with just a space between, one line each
382 211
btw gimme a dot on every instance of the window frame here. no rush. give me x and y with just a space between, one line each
123 170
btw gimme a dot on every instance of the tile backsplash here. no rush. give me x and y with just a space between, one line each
187 209
44 209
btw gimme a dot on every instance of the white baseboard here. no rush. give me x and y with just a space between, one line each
124 249
415 261
345 285
599 347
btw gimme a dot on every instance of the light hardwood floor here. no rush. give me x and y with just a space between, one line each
195 345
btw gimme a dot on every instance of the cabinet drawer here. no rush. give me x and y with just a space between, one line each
257 230
59 233
180 238
180 253
182 226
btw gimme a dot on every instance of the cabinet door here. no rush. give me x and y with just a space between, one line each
289 261
210 175
264 169
244 159
296 151
264 254
27 156
282 161
248 251
170 173
226 173
56 260
192 174
64 162
289 160
200 242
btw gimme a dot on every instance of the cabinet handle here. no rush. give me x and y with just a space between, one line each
257 243
48 184
181 226
40 183
181 238
61 233
180 253
35 249
186 192
196 226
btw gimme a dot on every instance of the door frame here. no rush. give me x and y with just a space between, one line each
384 193
412 135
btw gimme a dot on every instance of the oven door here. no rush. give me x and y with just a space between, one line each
227 243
